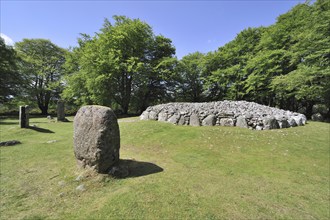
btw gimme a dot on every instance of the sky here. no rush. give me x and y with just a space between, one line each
192 25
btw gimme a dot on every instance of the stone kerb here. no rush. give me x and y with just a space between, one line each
96 138
224 113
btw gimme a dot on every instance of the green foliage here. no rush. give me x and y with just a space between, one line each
284 65
208 172
9 77
190 78
225 68
41 66
118 65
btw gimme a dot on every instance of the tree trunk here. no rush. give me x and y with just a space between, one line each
44 109
309 109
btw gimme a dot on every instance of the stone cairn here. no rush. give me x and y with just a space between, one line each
224 113
96 138
24 116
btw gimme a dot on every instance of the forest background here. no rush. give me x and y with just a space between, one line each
127 67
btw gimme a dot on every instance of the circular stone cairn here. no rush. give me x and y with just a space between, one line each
96 138
224 113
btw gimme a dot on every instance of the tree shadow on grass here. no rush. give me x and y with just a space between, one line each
42 130
139 168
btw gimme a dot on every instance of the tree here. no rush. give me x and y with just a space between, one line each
41 66
190 82
261 70
9 77
309 83
224 70
118 64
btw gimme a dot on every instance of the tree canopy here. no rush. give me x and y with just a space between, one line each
127 67
9 77
118 66
40 65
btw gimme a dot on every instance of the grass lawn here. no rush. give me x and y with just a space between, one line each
206 173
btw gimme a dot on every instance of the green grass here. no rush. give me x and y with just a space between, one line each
208 173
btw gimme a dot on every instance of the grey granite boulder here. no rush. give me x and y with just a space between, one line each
174 119
270 123
241 122
194 120
227 122
317 117
96 138
209 120
162 116
152 115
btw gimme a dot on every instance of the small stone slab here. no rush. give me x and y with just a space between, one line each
9 143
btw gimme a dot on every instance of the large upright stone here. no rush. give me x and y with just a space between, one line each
96 138
209 120
194 120
162 116
174 119
60 111
24 116
270 123
227 122
241 122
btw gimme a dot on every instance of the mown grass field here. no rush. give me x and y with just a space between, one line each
207 173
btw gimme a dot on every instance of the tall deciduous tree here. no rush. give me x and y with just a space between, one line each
118 65
9 77
190 78
41 66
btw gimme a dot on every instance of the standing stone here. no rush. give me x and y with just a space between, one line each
298 119
27 116
60 111
174 119
241 122
209 120
96 138
270 123
24 116
153 115
283 123
194 120
181 120
162 116
317 117
144 115
227 122
292 122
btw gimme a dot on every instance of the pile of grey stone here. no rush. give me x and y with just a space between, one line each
224 113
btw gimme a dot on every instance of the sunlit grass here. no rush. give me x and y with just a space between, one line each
208 173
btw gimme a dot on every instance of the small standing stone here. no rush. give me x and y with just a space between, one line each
60 111
241 122
194 120
209 120
24 116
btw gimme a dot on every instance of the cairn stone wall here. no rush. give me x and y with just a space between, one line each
224 113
